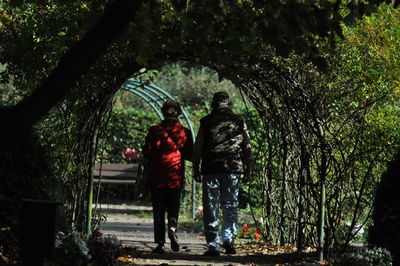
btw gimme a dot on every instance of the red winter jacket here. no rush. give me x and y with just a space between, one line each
167 145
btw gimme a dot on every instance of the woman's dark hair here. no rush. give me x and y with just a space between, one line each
171 108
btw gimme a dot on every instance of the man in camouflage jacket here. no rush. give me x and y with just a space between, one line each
223 148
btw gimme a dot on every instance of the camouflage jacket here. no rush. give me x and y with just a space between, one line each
222 143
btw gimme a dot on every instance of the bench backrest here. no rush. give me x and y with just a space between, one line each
117 171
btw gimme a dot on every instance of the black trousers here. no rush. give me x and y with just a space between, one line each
165 200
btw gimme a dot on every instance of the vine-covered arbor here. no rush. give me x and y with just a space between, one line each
316 164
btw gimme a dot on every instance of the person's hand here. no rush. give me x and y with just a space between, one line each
196 175
247 176
248 171
197 178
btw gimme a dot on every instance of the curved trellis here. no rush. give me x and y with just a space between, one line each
154 96
289 110
309 174
300 173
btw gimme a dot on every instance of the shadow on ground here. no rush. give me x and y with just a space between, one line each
239 259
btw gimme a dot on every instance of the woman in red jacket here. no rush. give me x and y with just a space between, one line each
167 145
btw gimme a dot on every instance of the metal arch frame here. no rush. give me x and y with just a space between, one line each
148 98
155 97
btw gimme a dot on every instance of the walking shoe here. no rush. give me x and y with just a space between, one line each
229 248
174 240
159 249
212 252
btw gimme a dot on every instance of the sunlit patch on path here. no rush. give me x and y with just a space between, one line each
135 231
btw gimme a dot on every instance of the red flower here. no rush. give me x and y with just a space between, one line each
129 151
258 231
131 155
97 233
245 228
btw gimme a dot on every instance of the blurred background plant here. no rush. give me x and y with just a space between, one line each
105 249
76 249
364 256
71 249
133 156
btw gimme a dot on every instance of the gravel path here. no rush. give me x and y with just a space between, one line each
135 231
136 235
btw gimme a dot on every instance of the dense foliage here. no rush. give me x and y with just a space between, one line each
385 229
311 128
126 128
337 128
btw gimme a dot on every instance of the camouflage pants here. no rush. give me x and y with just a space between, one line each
220 191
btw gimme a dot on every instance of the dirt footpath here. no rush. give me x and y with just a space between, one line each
136 235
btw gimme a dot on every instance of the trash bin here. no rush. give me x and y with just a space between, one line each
38 231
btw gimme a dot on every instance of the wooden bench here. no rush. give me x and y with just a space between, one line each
119 174
116 173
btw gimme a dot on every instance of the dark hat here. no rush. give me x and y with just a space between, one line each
220 96
220 99
171 108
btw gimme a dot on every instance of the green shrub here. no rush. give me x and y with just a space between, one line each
364 257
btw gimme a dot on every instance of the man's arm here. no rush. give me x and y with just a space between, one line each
187 148
197 152
248 159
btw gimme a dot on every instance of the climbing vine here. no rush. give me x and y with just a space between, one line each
314 129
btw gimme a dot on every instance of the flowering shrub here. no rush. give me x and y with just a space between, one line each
104 248
257 233
132 155
199 213
9 249
245 228
71 249
250 232
364 257
98 249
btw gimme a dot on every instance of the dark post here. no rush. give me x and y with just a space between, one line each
38 226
